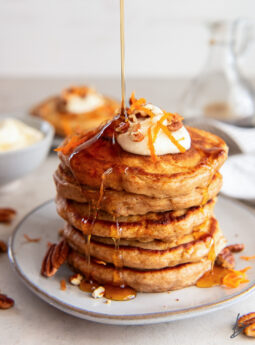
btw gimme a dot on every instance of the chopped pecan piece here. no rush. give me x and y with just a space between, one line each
60 232
6 302
225 259
122 128
236 248
175 123
136 135
7 215
55 256
3 247
30 239
75 279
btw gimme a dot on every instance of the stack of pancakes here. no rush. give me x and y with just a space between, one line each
131 221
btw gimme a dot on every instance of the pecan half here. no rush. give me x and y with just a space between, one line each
246 320
7 215
250 330
225 259
3 247
55 256
236 248
6 302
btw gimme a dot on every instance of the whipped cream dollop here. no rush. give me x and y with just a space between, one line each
136 138
80 100
15 134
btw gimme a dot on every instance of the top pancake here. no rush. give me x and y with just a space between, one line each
98 157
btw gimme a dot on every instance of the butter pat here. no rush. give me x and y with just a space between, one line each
15 135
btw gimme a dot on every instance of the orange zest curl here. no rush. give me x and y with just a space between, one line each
171 137
151 146
147 111
132 98
70 145
234 278
247 258
137 105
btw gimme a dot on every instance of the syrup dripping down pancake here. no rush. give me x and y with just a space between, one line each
125 204
141 258
165 226
170 176
166 279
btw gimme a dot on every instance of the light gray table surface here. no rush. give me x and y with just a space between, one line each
33 321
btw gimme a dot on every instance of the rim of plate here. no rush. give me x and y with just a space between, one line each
182 313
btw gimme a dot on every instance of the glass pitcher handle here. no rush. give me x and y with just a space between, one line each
242 34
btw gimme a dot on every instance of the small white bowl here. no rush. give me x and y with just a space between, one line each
15 164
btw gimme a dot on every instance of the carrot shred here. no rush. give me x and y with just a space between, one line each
147 111
138 103
234 278
247 258
68 147
151 146
171 137
62 284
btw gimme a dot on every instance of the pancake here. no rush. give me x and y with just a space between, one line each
66 123
96 157
140 258
166 226
126 204
166 279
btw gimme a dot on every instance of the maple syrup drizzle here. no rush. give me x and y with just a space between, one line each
213 277
96 209
199 231
115 293
88 145
118 293
117 254
122 54
223 276
88 286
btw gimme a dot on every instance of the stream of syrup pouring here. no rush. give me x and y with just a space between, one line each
118 291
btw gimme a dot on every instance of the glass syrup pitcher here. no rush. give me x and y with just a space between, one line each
220 91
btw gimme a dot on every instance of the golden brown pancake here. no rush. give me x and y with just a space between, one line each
99 159
65 123
167 226
141 258
126 204
166 279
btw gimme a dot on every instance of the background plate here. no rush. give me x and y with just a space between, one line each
236 220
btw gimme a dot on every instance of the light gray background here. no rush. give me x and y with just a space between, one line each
81 37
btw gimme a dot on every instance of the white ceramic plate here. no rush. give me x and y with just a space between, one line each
236 220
